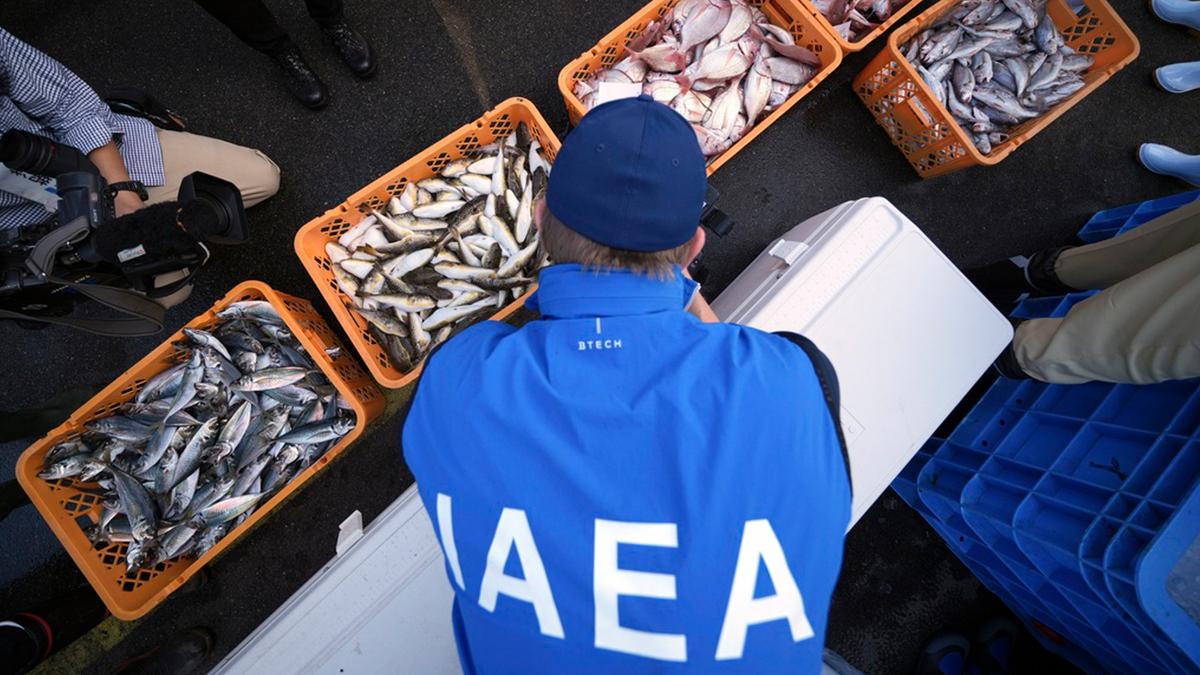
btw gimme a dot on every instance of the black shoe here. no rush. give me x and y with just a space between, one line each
1019 274
945 654
181 654
992 650
300 78
352 47
1006 365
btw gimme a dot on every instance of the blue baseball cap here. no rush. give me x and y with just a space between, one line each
630 176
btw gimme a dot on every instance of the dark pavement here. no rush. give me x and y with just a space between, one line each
442 63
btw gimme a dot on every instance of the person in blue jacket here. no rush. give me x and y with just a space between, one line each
627 485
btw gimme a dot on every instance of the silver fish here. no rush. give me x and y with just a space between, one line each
982 67
162 384
318 432
1020 73
189 459
63 450
159 443
1023 9
448 315
1048 73
270 378
193 373
1004 101
438 209
137 505
941 44
175 543
120 427
224 511
406 303
979 14
248 474
206 339
139 554
1077 63
64 468
963 80
181 495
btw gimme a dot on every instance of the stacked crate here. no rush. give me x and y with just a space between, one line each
1078 505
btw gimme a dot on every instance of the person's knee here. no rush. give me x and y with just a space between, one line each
265 181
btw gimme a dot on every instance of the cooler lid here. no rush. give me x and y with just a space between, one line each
906 331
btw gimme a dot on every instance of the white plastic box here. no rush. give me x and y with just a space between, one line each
907 333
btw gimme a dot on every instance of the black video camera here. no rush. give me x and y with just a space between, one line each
87 245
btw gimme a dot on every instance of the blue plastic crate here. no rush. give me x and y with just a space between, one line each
1111 222
1079 506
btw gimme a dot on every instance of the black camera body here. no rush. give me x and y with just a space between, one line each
87 243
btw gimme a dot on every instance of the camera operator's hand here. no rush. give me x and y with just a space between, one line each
108 160
126 202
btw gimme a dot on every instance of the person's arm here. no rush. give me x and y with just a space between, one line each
47 91
112 167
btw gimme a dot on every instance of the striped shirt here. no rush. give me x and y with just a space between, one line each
41 96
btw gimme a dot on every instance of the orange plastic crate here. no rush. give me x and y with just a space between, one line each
857 45
495 124
922 127
788 14
64 505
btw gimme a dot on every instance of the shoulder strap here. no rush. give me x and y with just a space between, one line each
142 317
139 103
827 376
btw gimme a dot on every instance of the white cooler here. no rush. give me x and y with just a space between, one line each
906 331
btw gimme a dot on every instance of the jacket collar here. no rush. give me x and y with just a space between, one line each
569 291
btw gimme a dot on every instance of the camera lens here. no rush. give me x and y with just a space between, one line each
204 216
212 209
23 151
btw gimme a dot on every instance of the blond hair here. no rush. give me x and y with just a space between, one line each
564 245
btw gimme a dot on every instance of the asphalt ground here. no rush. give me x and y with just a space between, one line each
442 63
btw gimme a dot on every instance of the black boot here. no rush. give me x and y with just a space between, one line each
1019 274
352 47
300 78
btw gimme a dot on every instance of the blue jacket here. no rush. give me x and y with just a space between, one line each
618 487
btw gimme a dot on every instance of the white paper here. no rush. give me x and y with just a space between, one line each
612 91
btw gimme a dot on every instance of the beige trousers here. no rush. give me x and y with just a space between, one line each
1143 327
256 176
253 172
